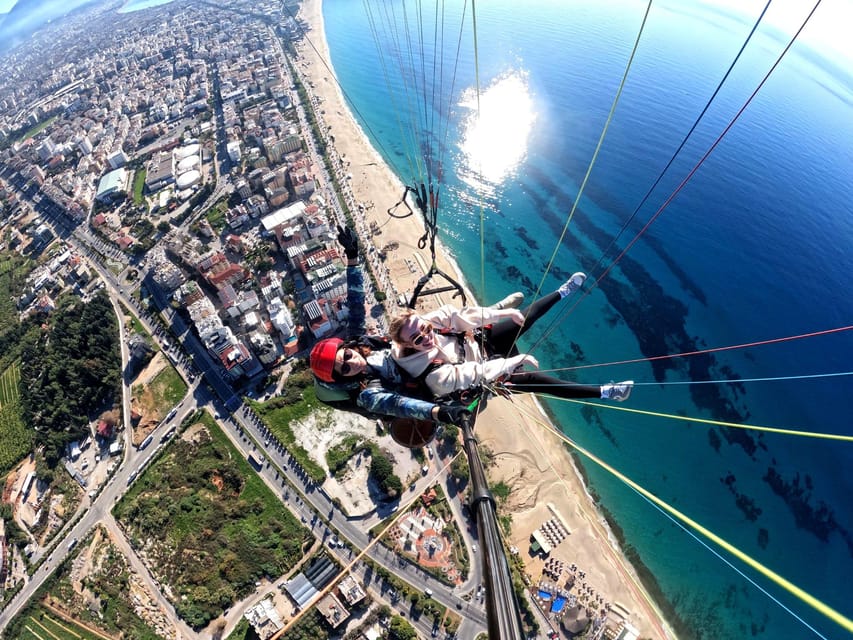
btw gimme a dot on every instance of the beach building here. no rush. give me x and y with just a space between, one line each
160 172
85 145
318 322
351 591
281 319
190 162
264 347
167 276
305 585
282 217
233 149
538 543
257 206
242 188
271 286
46 149
186 151
188 179
624 631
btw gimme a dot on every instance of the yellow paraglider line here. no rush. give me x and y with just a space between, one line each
768 573
717 423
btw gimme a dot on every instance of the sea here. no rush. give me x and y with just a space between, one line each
752 245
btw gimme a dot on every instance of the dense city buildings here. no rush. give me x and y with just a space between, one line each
155 123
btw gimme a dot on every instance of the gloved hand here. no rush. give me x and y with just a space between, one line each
453 413
349 241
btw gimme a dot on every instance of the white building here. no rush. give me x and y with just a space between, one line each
283 216
117 159
233 149
85 145
281 319
264 618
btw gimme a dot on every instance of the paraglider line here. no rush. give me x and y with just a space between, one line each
717 423
731 565
756 343
768 573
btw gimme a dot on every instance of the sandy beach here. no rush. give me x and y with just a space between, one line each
531 459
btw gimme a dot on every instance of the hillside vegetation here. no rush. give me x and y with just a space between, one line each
70 370
209 527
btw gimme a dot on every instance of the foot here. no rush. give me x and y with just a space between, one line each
572 284
512 301
618 391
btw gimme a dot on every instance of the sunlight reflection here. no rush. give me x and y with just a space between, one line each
494 141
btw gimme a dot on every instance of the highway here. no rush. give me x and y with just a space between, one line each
246 431
281 470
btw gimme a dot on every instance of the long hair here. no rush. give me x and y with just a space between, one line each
396 326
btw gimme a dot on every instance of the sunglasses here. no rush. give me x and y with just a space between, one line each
423 332
346 367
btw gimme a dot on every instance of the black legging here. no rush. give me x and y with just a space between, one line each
535 382
501 341
504 333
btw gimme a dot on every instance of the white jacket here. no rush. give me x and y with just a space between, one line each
465 367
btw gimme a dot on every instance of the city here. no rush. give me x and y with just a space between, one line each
176 168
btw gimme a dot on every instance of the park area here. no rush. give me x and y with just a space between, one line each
206 524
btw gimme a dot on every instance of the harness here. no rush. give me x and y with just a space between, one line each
416 385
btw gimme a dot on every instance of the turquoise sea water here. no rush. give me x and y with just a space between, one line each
755 247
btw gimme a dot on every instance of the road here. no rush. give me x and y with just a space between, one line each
245 429
281 471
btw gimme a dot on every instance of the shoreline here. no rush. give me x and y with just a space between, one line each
527 455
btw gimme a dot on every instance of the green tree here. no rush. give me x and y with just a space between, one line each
400 629
459 469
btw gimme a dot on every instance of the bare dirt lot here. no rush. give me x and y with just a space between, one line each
326 428
144 401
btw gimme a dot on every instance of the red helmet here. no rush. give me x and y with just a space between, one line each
323 358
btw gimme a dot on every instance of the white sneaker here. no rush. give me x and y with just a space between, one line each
617 391
572 284
512 301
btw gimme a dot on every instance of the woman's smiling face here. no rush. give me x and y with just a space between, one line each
418 334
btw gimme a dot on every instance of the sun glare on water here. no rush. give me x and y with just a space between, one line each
495 133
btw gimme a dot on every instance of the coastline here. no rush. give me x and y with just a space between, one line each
529 456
